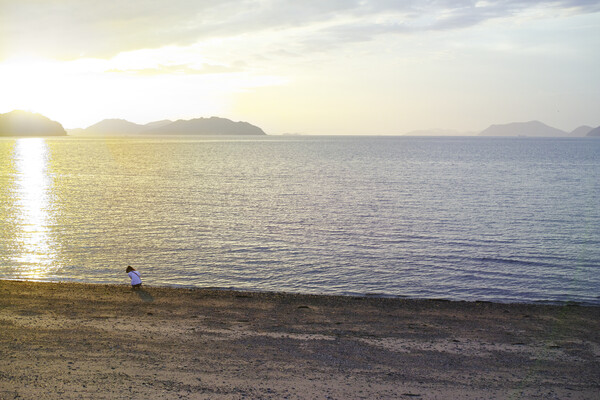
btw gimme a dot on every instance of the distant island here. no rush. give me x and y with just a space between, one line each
594 132
514 129
582 131
532 128
24 123
535 129
197 126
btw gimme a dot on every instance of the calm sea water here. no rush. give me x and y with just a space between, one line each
458 218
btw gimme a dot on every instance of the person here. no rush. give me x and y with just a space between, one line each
136 280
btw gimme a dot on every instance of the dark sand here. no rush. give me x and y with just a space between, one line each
72 341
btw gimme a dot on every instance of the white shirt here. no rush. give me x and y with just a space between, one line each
135 277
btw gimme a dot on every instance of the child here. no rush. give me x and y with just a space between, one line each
136 281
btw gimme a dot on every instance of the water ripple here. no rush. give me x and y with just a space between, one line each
460 218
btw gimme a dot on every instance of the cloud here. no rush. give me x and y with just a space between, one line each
69 29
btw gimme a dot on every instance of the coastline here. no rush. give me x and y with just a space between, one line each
76 340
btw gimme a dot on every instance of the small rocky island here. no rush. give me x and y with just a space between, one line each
23 123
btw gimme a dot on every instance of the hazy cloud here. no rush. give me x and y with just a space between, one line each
71 29
183 69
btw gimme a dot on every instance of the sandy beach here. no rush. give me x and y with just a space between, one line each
73 341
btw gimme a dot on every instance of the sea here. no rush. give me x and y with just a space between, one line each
457 218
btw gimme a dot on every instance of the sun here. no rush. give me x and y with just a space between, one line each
139 86
79 93
34 84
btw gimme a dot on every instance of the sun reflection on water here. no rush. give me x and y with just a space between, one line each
33 188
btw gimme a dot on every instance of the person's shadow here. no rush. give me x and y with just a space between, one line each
144 295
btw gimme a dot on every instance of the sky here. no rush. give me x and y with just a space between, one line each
312 67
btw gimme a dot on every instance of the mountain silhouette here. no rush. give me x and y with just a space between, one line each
114 127
594 132
198 126
532 128
208 126
24 123
158 124
581 131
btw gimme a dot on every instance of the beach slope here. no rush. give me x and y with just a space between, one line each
71 341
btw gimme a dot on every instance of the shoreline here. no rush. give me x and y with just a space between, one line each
74 340
557 303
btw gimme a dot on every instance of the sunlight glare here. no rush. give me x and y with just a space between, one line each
33 187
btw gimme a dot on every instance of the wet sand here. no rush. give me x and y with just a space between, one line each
72 341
